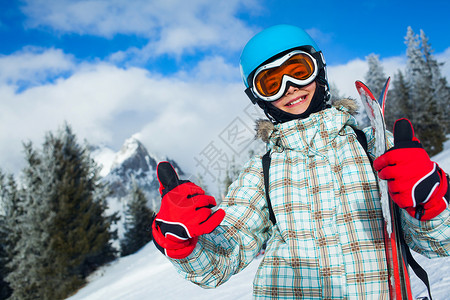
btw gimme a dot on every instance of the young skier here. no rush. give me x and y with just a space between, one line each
324 231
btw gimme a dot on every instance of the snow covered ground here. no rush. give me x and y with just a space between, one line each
149 275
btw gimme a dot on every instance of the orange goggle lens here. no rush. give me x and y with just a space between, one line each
268 82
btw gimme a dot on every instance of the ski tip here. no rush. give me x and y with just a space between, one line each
382 98
363 89
386 84
359 83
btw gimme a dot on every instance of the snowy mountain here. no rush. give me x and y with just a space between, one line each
132 164
149 275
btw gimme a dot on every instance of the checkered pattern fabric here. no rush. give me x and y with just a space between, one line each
328 240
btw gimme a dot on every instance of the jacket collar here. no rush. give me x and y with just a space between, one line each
313 133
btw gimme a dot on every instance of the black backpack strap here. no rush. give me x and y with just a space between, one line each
362 139
410 261
266 165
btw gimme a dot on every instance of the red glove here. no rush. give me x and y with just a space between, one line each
184 215
415 182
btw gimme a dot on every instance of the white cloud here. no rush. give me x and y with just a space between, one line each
172 27
344 76
175 116
34 65
211 69
101 18
104 104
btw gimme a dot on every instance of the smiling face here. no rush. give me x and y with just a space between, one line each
296 100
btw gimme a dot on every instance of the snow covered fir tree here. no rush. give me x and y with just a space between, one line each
419 93
58 228
138 222
57 215
8 235
375 77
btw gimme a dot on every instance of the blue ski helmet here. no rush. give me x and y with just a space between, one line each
270 42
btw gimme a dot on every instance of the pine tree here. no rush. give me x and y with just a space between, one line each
65 234
8 234
444 104
423 108
375 76
374 79
397 104
439 86
30 251
138 222
5 290
80 235
413 76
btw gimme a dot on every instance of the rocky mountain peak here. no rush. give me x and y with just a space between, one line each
131 164
133 156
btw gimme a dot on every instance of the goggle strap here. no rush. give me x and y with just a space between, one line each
250 95
319 59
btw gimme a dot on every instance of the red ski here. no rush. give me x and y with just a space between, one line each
399 282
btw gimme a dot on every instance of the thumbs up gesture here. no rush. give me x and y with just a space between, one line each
415 183
184 215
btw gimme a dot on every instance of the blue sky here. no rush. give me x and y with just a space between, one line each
343 29
165 70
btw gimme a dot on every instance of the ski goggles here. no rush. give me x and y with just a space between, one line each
270 80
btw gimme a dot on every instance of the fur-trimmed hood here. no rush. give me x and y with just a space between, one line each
264 127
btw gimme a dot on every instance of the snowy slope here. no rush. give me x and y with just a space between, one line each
148 275
438 269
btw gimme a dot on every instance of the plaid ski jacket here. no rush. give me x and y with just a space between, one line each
328 240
